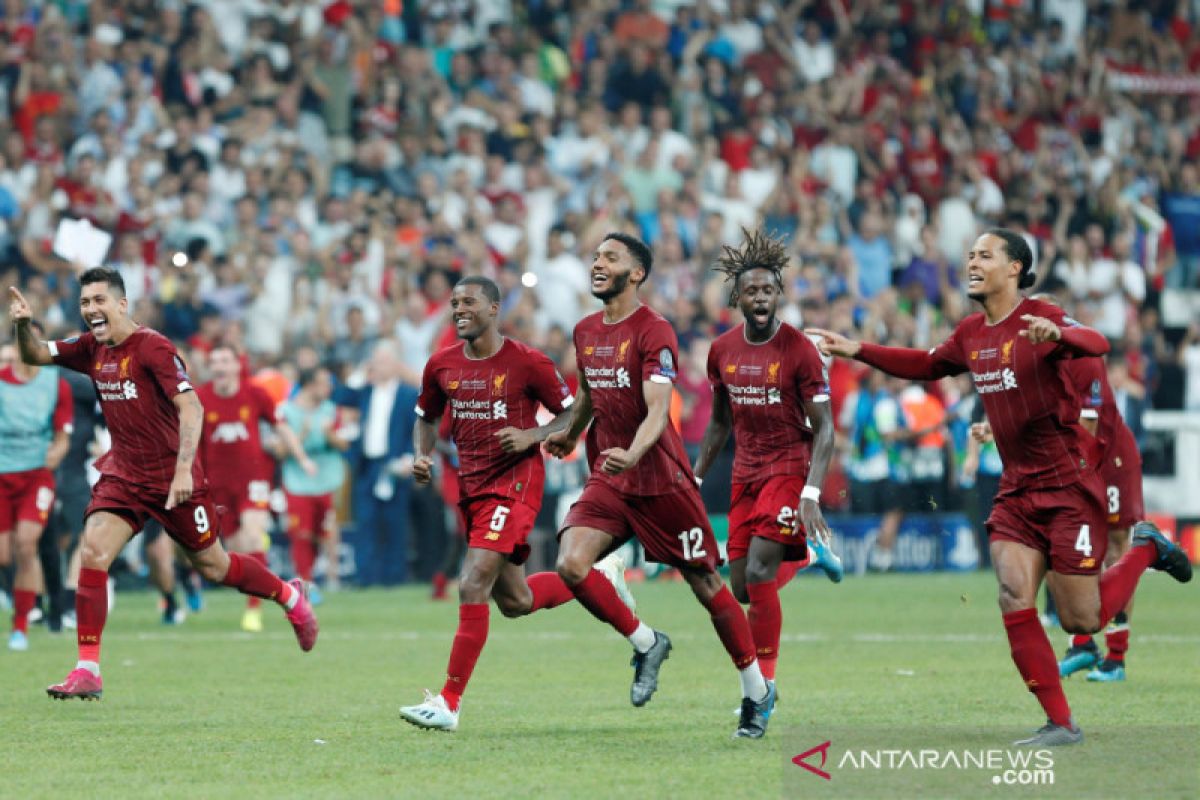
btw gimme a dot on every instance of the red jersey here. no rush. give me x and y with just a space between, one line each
231 442
1090 379
135 383
767 385
615 359
1027 393
485 396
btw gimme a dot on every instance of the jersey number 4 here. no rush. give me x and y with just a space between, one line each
1083 542
693 544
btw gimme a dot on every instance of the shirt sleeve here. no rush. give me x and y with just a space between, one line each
267 410
812 378
161 360
714 369
1089 383
74 353
548 386
1075 340
660 350
431 403
916 365
64 408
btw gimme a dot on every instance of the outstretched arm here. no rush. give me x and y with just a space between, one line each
903 362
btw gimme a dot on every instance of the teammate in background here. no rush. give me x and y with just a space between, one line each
770 390
151 471
311 515
35 423
641 483
74 493
1051 494
239 468
1121 468
491 386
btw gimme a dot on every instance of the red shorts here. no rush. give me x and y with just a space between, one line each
310 515
1067 525
233 499
1121 470
500 524
25 497
194 524
673 528
767 509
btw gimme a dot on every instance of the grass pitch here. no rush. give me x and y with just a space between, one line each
203 710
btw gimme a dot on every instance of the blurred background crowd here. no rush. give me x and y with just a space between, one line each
305 179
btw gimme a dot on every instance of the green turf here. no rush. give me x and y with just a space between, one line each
204 711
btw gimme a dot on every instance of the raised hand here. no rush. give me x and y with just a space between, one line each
1040 329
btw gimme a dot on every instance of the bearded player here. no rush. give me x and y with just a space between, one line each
151 471
771 391
491 387
239 468
1049 511
641 483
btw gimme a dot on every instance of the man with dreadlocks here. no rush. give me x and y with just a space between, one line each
771 391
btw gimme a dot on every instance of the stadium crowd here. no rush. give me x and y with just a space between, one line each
306 180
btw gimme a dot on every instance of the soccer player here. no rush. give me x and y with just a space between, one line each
1051 494
239 468
491 386
771 392
641 483
311 515
1121 468
35 423
151 471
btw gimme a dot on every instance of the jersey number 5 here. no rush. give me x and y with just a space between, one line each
499 517
693 544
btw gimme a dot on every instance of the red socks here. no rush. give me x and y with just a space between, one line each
1117 642
1034 657
766 620
261 558
730 622
549 590
91 610
1081 640
598 596
304 555
250 576
1119 581
23 601
787 570
468 644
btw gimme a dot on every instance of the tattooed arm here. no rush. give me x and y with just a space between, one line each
191 416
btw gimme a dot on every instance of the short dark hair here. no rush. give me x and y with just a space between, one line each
1017 249
486 285
637 248
104 275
